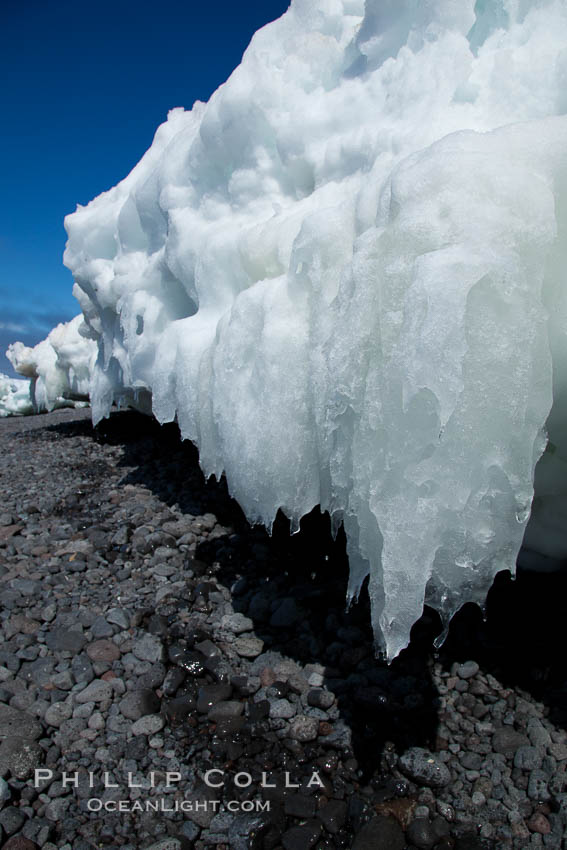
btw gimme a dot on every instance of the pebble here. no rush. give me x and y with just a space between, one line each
380 833
467 670
506 741
303 728
248 646
237 623
97 691
148 725
424 767
123 558
103 650
148 648
58 713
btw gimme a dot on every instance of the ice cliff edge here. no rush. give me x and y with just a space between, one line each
344 277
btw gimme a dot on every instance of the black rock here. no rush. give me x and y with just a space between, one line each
380 833
333 815
301 837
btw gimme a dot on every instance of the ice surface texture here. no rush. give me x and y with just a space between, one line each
344 277
59 367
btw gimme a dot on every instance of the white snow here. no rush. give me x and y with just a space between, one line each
344 276
14 397
59 367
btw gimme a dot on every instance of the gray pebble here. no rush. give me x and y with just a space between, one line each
119 617
467 670
148 725
282 708
148 648
248 646
528 758
237 623
97 691
11 820
537 786
424 768
303 728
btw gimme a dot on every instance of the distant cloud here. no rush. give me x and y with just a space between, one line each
12 326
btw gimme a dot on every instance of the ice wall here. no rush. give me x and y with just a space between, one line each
59 367
338 275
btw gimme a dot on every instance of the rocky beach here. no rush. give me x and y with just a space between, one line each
172 678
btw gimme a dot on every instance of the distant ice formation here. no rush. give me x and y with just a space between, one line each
14 397
59 367
344 277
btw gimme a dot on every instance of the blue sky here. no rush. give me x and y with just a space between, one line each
84 87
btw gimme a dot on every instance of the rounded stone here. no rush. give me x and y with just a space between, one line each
248 646
467 670
303 728
103 650
148 725
539 823
421 834
380 833
282 708
58 713
424 768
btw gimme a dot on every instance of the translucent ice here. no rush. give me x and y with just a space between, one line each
344 276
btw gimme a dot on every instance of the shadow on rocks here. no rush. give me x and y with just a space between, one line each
294 590
521 638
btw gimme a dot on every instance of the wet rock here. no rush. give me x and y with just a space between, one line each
301 837
423 767
333 815
286 614
380 833
210 695
299 806
246 831
225 710
320 698
421 833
